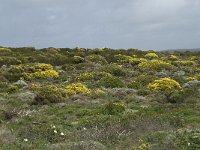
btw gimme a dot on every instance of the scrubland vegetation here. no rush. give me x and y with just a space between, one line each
99 99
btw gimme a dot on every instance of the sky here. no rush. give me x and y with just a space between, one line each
141 24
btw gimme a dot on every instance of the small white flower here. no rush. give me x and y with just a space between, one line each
188 144
84 128
62 133
53 127
26 140
55 131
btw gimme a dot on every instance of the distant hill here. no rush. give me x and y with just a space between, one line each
183 50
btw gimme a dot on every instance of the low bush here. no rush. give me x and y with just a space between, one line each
35 71
78 59
5 51
165 86
110 82
77 88
113 108
8 88
141 81
85 76
46 94
96 59
184 63
151 56
114 69
155 65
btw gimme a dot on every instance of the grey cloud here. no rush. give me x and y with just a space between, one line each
143 24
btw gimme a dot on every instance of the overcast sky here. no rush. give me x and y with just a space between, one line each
142 24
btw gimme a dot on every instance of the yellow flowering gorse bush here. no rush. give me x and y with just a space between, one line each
128 59
184 63
191 78
151 55
173 57
165 85
35 71
96 59
99 92
48 93
77 88
4 51
78 59
85 76
155 65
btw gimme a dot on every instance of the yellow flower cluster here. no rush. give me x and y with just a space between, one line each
151 55
184 63
78 59
43 66
142 146
128 59
77 88
155 64
96 59
164 85
39 87
5 51
99 92
39 70
48 93
123 58
173 57
41 74
197 77
191 78
85 76
34 67
194 58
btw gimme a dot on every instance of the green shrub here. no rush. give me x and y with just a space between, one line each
9 61
96 58
143 92
3 86
165 86
173 57
46 94
114 69
85 76
113 108
151 56
12 88
184 63
123 58
129 59
35 71
155 65
97 93
78 59
110 82
141 81
8 88
99 75
77 88
5 51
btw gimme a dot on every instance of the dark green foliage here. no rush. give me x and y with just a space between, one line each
96 58
113 108
141 81
114 69
8 88
49 94
110 82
